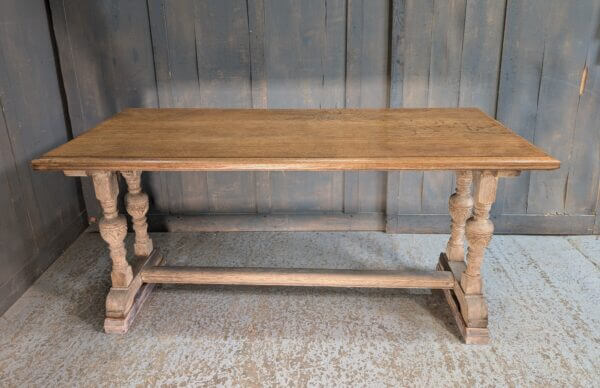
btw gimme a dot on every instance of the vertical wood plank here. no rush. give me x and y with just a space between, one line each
372 191
482 47
304 59
258 80
16 230
304 192
565 52
392 198
446 52
256 26
375 91
70 69
481 56
231 192
397 54
596 228
351 195
392 195
520 75
194 194
354 39
444 86
367 64
584 164
304 53
224 76
107 57
106 60
223 53
174 43
262 181
333 55
418 24
174 50
367 85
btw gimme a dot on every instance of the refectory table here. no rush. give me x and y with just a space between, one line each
479 149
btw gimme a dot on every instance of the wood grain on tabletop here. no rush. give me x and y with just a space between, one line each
287 139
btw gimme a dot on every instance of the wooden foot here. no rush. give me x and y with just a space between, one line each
459 302
123 303
121 325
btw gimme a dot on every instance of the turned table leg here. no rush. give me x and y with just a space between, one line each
479 230
136 203
128 292
460 205
466 298
113 227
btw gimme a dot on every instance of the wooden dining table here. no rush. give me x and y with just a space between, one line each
479 149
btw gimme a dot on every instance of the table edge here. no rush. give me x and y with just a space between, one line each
296 164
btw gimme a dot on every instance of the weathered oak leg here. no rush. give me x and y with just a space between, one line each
466 299
136 203
460 205
113 227
479 231
127 293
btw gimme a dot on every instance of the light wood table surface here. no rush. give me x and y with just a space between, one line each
479 149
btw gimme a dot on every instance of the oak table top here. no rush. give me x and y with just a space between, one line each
290 139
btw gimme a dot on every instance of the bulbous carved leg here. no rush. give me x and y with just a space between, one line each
460 205
136 203
128 292
466 298
113 227
479 230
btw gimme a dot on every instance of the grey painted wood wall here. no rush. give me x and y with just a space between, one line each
521 61
41 213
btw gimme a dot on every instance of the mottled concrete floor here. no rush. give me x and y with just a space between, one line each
543 293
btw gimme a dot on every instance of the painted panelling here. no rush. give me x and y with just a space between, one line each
106 63
547 45
518 60
41 213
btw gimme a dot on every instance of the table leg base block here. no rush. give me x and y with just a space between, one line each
120 299
470 335
124 304
121 325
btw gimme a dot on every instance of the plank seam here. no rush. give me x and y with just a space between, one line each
77 88
152 52
571 143
500 59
